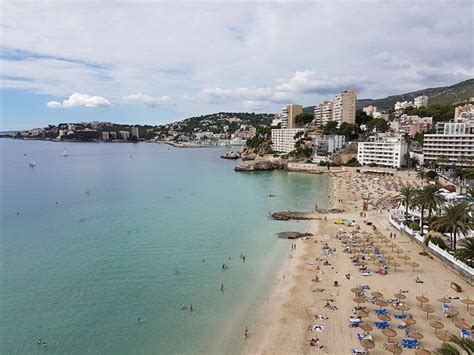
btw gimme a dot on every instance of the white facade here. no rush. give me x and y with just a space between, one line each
400 105
370 110
323 113
421 101
326 145
344 107
382 150
453 144
283 140
288 115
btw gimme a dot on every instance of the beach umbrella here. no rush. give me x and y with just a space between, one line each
443 336
389 333
422 351
376 294
366 327
444 300
381 303
422 299
452 313
468 302
405 257
384 318
395 265
436 325
359 300
429 310
403 308
416 335
398 252
388 257
394 349
410 321
367 343
461 324
355 290
414 265
400 296
362 314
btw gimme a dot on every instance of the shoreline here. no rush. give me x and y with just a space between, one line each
284 321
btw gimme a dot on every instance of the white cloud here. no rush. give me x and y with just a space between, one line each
147 100
80 100
256 105
54 104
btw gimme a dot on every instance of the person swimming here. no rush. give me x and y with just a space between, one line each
222 287
191 307
182 306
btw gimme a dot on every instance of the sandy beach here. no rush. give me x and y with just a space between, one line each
306 282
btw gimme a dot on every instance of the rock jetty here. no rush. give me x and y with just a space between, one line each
261 165
289 215
293 235
231 155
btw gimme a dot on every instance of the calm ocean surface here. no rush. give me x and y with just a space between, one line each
100 233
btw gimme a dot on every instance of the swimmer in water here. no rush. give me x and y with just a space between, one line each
222 287
191 307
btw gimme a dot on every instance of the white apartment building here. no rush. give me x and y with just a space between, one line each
453 144
406 124
323 113
283 140
382 150
370 110
124 134
421 101
401 105
344 107
326 145
288 114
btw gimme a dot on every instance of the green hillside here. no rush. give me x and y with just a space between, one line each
437 96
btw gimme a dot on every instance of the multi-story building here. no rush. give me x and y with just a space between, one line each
401 105
326 145
370 110
323 113
105 136
344 107
288 114
411 125
136 132
465 110
453 144
382 150
421 101
283 140
124 134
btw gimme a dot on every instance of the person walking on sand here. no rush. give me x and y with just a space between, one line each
246 332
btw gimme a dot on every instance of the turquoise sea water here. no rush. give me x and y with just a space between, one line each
92 242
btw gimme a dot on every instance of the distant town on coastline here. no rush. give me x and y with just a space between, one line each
431 127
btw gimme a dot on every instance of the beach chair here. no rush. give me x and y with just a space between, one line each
400 316
381 325
466 334
359 337
381 312
410 343
359 351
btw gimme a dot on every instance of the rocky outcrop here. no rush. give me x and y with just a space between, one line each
289 215
231 155
293 235
261 165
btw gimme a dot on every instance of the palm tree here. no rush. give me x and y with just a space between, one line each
451 349
434 199
421 175
420 200
405 198
455 219
465 253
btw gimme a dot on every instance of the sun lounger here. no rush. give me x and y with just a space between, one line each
381 312
466 334
410 343
359 351
381 325
400 316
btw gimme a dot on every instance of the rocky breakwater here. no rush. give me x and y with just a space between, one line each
231 155
289 215
261 165
293 235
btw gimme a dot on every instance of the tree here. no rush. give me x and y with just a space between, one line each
431 175
330 128
465 253
455 219
420 200
452 346
362 117
405 198
348 129
303 119
421 175
379 124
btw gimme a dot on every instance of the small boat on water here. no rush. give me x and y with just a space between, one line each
32 164
64 152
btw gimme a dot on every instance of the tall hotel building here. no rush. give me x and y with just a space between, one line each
288 114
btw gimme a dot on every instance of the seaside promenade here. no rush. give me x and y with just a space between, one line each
314 295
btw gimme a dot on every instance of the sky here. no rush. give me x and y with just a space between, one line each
156 62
